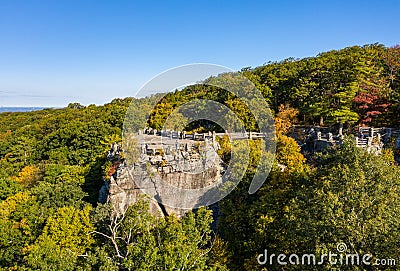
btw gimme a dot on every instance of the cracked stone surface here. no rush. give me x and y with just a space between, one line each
192 165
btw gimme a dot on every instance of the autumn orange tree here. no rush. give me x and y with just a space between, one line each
285 118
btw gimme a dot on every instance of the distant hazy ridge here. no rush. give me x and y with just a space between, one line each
19 109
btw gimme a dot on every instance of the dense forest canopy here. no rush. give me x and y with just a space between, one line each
53 163
355 85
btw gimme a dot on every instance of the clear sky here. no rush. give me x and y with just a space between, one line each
91 51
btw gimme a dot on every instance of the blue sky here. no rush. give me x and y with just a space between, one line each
91 51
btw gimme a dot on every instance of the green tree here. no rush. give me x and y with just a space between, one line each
64 239
137 240
8 187
254 222
372 88
21 222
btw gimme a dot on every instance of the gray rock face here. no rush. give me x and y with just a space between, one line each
193 165
123 192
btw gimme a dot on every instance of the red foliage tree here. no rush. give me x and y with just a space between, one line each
372 88
371 103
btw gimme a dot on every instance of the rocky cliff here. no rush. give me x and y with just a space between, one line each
185 164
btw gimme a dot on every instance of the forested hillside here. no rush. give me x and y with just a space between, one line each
355 85
53 161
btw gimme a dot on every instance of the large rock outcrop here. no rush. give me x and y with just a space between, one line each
185 164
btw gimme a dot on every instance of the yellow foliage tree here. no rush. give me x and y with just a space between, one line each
285 118
65 236
9 205
28 176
